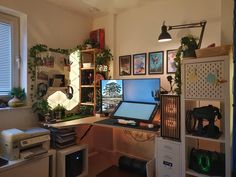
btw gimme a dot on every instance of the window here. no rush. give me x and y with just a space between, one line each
9 53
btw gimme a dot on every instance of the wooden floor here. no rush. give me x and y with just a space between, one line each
99 161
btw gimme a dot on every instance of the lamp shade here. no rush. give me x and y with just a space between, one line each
164 36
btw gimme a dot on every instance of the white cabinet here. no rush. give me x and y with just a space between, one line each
41 166
207 81
168 158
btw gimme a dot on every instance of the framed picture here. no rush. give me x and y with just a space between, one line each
125 65
155 62
170 54
139 64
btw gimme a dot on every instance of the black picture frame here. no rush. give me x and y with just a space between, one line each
139 64
170 55
125 65
156 62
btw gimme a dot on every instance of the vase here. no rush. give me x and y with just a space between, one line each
15 102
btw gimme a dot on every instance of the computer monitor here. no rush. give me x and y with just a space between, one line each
141 90
111 94
138 111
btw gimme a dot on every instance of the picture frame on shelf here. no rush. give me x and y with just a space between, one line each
139 64
125 65
156 62
170 56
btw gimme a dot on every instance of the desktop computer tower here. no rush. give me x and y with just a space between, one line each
74 164
72 161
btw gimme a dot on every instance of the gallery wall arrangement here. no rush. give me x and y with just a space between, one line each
147 63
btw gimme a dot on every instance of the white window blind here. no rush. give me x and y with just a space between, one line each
5 58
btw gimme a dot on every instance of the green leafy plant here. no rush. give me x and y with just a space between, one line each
86 110
188 46
88 43
104 57
35 60
41 107
187 49
18 92
59 111
59 108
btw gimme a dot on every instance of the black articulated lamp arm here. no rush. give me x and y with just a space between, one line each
165 35
201 24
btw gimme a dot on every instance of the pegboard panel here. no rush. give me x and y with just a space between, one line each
203 80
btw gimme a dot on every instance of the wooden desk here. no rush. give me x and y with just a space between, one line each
103 122
72 123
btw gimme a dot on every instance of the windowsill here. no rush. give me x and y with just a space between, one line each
16 108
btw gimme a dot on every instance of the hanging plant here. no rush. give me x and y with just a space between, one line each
36 60
187 49
104 57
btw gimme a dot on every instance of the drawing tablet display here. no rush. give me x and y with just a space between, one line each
135 111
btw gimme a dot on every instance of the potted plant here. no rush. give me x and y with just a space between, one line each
187 49
85 110
88 43
18 97
42 108
102 61
59 112
104 57
188 46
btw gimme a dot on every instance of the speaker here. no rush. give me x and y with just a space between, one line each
207 162
170 116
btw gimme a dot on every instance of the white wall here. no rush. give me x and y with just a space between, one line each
227 21
137 30
50 25
108 24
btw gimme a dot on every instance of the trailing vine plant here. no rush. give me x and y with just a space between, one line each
187 49
35 60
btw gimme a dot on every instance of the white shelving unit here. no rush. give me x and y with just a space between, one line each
207 81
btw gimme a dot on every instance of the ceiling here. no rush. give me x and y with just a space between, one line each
95 8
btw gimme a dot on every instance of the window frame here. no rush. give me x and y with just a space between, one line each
23 49
14 22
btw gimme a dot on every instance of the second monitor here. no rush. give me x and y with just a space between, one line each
136 90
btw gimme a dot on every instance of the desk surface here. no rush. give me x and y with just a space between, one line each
73 123
103 122
112 123
14 163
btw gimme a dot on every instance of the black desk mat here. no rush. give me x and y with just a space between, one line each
113 122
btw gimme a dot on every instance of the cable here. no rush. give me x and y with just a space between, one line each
86 132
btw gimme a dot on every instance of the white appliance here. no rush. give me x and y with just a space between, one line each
17 143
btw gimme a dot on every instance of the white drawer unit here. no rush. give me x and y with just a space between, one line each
168 158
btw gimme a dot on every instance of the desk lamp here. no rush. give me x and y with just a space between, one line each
165 36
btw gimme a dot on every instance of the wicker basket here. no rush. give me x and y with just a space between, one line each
213 51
